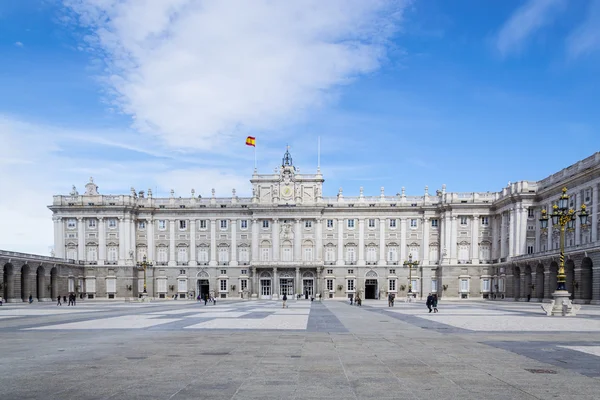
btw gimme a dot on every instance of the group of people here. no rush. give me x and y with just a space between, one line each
207 298
72 299
432 302
356 300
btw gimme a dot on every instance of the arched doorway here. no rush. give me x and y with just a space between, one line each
308 284
371 285
570 272
9 282
528 282
25 283
40 283
516 283
202 284
54 283
539 282
587 278
265 284
552 277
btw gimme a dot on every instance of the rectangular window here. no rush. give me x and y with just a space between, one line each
182 285
463 221
530 213
308 254
264 254
485 287
350 254
329 272
112 223
223 254
330 285
308 224
202 224
92 254
371 223
485 221
223 224
223 272
330 223
434 286
351 223
329 254
434 223
413 223
350 272
392 223
286 254
162 224
350 285
162 255
243 284
244 224
202 255
244 257
182 255
182 224
392 285
92 223
244 272
464 285
142 225
392 271
71 223
182 272
529 249
223 285
265 224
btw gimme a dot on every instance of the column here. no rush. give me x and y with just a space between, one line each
494 227
453 240
402 240
425 258
192 257
233 261
298 241
517 233
275 237
549 231
475 239
172 259
577 222
448 237
101 241
80 239
443 241
594 213
60 251
298 283
361 241
503 235
275 283
254 280
382 241
523 235
151 246
340 245
213 242
538 230
127 237
132 240
121 240
319 244
255 256
511 233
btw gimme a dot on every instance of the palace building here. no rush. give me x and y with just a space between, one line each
289 239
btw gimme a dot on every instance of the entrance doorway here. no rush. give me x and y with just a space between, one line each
370 289
203 288
286 286
307 288
265 289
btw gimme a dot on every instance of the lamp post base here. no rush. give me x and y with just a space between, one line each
561 305
144 297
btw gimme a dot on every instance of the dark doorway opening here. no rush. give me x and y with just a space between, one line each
203 288
371 289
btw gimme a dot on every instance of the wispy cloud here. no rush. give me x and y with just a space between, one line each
585 39
195 73
19 44
525 22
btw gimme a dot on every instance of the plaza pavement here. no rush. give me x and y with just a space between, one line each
328 350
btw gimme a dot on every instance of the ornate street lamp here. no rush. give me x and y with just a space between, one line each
410 264
143 266
565 218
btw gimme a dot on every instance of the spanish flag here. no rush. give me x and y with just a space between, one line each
251 141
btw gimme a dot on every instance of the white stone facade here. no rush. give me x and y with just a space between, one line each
288 238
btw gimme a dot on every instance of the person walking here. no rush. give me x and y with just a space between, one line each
205 299
391 300
434 303
284 298
351 299
59 303
429 302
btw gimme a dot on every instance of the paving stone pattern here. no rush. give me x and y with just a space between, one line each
329 350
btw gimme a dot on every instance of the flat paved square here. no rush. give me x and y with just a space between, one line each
328 350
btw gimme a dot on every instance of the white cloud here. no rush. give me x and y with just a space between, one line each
524 22
585 39
19 44
195 73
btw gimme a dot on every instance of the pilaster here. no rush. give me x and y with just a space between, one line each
80 239
594 213
319 244
213 243
233 260
298 240
275 238
121 241
402 240
172 259
425 258
382 241
361 241
475 239
340 245
255 257
453 241
101 241
192 258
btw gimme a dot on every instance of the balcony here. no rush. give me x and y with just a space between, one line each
223 262
111 263
161 263
182 263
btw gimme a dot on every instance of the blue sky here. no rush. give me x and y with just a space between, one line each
161 95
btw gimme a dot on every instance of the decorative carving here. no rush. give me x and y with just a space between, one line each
74 191
371 274
91 189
